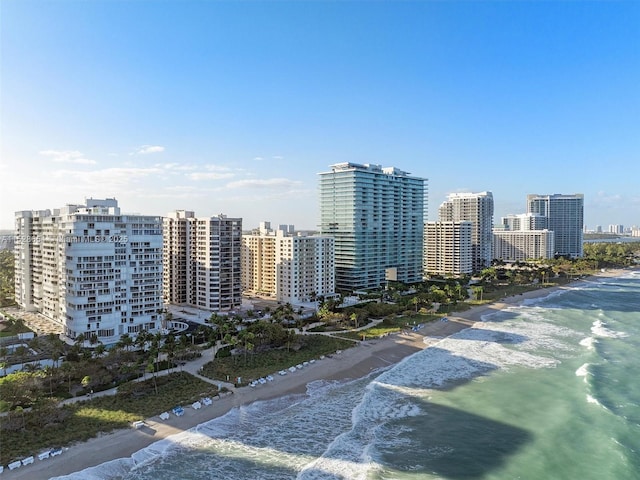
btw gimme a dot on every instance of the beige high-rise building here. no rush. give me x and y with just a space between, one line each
287 265
476 208
447 248
201 260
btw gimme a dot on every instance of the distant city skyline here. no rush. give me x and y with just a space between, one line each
236 107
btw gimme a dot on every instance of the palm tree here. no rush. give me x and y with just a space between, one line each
478 290
49 371
246 337
86 381
67 369
354 318
21 352
169 348
126 341
100 349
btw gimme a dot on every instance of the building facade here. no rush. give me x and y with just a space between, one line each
90 269
376 216
201 260
447 248
522 245
565 217
476 208
287 265
524 222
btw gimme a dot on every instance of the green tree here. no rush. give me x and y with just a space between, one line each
7 278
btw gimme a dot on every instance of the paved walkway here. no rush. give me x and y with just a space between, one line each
193 367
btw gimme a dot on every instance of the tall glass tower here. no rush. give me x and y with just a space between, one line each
376 216
565 217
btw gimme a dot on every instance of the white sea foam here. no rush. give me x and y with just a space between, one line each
593 400
583 371
600 329
589 342
113 469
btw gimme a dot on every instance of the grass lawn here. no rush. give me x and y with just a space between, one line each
390 325
271 361
58 427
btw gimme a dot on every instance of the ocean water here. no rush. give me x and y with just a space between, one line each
546 390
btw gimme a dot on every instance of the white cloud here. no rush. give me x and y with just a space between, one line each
264 183
67 156
146 149
175 167
212 172
108 177
197 176
607 197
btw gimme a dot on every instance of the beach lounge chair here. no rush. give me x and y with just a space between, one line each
178 411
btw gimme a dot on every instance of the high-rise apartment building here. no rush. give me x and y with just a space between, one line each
565 217
524 222
476 208
91 269
616 229
376 216
201 260
447 248
522 245
287 265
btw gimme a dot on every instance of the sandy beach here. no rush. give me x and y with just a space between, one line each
351 363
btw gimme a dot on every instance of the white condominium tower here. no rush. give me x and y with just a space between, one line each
522 237
376 217
201 260
564 217
91 269
287 265
476 208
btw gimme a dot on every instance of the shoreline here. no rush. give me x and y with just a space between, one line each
355 362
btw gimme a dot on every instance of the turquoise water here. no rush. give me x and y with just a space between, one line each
545 390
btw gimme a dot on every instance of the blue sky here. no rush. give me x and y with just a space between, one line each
234 107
